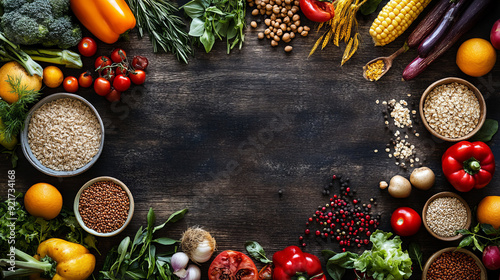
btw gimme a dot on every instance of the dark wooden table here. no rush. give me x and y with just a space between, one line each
225 134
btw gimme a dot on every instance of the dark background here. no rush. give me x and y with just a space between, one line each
177 141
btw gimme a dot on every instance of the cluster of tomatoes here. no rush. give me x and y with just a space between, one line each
116 72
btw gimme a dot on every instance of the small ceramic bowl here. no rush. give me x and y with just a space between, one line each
76 205
484 274
31 157
445 194
482 107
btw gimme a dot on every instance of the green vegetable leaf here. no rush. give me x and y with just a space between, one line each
151 219
477 227
338 263
136 274
215 10
369 7
416 254
174 217
197 27
488 229
208 40
477 244
194 9
486 132
466 241
464 231
256 251
165 241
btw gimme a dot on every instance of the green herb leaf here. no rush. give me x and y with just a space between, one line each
194 9
173 218
197 27
477 244
369 7
463 232
486 132
477 227
151 218
416 254
165 241
215 10
208 40
488 229
466 241
256 251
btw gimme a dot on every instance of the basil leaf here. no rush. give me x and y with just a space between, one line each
215 10
335 271
174 217
465 242
486 132
196 28
463 231
208 40
369 7
477 244
165 241
122 248
416 254
194 9
256 251
488 229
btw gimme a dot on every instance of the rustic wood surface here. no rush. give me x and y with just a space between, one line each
224 134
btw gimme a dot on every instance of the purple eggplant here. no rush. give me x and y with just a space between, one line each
467 20
451 15
427 24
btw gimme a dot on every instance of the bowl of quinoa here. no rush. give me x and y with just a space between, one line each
63 135
452 109
104 206
444 213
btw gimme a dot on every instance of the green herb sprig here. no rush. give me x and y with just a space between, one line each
211 19
481 236
167 31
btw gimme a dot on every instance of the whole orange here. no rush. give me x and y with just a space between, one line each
43 200
476 57
52 76
488 211
16 72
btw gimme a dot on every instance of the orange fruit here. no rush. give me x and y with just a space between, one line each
488 211
15 71
52 76
43 200
476 57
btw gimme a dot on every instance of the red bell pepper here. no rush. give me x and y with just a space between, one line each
292 263
468 165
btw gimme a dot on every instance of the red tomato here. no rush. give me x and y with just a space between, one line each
118 55
232 265
114 96
85 79
122 68
102 61
138 77
70 84
87 47
121 83
108 74
316 10
405 221
140 62
102 86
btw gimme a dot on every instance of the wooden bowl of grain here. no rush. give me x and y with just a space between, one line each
452 109
459 260
444 213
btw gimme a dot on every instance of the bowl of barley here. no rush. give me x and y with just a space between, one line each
63 135
452 109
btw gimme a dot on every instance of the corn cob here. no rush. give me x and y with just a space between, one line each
394 19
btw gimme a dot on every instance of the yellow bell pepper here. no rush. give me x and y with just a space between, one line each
72 261
106 19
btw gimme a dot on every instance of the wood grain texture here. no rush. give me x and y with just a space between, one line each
224 133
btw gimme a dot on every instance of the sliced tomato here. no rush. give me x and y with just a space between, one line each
318 11
232 265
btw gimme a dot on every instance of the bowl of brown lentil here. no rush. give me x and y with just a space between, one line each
452 109
454 264
104 206
444 213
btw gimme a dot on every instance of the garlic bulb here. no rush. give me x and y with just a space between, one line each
198 244
179 263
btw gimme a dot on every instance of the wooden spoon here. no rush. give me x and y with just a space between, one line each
387 60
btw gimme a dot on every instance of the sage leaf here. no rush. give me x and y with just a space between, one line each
256 251
486 132
369 7
416 254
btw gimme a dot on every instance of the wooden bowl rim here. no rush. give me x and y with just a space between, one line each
430 260
446 194
449 80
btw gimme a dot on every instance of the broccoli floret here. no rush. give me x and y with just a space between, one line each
45 22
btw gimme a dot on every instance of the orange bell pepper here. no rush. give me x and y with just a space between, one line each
106 19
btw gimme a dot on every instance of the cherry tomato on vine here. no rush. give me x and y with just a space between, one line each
108 74
85 80
138 77
102 86
122 68
118 55
232 265
70 84
102 61
316 10
121 82
114 96
405 221
87 47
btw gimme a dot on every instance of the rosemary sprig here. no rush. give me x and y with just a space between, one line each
166 30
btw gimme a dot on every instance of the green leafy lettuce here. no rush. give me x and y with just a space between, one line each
385 261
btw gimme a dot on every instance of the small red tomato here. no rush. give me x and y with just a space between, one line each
140 62
102 61
405 221
108 74
121 83
87 47
70 84
85 80
114 96
122 68
118 55
102 86
138 77
317 10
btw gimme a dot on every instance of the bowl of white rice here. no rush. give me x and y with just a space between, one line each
63 135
